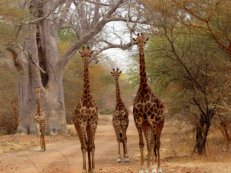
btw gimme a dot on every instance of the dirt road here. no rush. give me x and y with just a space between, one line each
64 156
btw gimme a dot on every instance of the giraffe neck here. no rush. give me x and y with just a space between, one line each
118 98
86 85
38 104
143 75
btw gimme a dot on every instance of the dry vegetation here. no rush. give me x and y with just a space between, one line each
176 150
188 63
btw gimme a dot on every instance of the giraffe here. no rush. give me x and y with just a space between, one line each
120 119
85 117
40 121
148 112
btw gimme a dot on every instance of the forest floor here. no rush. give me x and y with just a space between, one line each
18 154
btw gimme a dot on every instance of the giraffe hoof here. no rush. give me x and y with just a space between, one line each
141 171
146 171
84 171
118 160
160 170
126 160
154 169
41 150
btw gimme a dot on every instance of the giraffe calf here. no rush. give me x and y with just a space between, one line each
40 121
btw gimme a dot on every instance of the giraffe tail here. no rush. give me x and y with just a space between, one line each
121 136
155 146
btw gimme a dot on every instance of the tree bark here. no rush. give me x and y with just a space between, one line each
41 48
41 45
201 136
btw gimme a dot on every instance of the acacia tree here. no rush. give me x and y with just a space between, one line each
188 63
211 17
38 60
187 57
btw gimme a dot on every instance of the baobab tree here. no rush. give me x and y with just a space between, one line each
37 58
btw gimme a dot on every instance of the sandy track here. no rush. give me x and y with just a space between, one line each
65 156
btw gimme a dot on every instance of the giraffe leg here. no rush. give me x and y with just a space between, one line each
89 160
118 155
141 145
83 140
117 132
148 137
154 156
158 153
43 145
89 149
126 159
38 129
93 160
42 138
158 134
84 160
38 135
91 146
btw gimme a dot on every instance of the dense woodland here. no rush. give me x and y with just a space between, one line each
187 59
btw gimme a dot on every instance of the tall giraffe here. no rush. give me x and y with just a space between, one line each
40 121
120 119
86 117
148 112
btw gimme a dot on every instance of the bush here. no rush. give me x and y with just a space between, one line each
106 111
7 123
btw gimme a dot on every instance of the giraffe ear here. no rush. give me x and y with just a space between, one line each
112 73
92 52
146 40
120 72
134 40
80 53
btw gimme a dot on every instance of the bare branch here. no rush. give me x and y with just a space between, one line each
93 32
14 54
111 45
97 3
64 13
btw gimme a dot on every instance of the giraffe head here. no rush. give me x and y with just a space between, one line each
86 54
140 41
116 73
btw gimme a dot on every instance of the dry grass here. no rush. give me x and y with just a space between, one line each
176 149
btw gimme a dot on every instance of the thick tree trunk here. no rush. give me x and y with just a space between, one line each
42 45
201 137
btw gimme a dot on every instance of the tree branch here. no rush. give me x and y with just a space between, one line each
110 46
64 13
14 54
85 38
97 3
